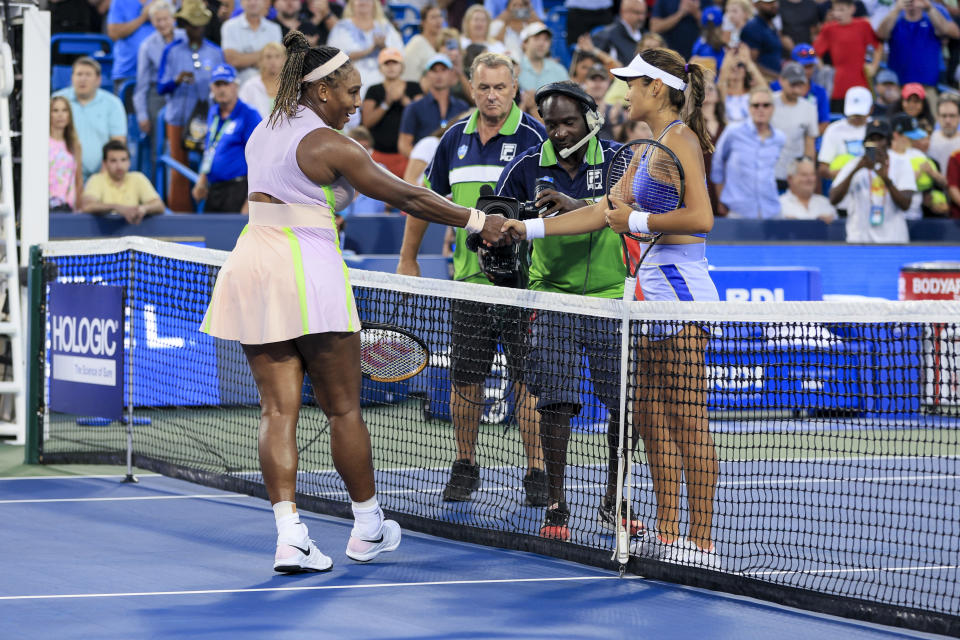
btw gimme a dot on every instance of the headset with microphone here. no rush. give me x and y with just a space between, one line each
588 106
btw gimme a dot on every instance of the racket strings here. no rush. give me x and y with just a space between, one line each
387 355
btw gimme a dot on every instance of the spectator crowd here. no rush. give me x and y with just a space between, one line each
819 109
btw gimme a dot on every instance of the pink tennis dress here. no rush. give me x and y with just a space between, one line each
285 277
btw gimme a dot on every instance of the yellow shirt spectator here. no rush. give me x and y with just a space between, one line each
135 189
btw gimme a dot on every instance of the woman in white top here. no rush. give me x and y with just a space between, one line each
475 29
738 13
424 45
509 24
362 33
261 90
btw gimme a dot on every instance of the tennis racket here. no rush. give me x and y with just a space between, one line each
649 177
391 354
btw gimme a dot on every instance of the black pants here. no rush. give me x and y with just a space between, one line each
580 21
227 196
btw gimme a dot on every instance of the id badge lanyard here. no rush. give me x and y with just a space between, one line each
211 149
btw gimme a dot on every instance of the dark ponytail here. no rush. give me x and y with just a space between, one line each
693 74
301 60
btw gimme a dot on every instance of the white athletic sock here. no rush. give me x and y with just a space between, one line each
367 519
289 526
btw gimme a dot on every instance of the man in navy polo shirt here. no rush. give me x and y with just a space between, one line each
589 264
471 154
432 111
762 37
915 30
223 171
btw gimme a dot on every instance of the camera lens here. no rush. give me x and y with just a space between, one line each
498 208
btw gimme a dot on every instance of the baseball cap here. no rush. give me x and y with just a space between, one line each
533 29
389 54
857 102
908 126
878 126
913 89
804 53
438 59
886 76
597 70
712 15
223 73
793 72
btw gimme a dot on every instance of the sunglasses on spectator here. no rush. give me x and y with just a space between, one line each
761 105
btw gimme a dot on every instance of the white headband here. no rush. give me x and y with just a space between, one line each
639 67
327 67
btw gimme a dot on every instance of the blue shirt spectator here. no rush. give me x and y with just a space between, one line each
183 56
760 35
744 162
146 100
915 37
423 116
128 26
98 115
226 141
685 15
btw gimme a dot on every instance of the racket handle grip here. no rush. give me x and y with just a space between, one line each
629 289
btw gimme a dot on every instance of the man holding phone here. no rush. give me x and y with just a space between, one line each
880 186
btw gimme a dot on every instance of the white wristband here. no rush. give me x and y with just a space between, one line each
534 228
638 222
475 222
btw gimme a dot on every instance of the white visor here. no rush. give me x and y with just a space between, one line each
327 67
639 67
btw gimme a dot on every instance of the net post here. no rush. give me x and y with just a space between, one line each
127 305
621 551
36 325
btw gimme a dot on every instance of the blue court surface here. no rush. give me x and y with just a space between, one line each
91 557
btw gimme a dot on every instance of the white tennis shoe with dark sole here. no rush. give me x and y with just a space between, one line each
298 559
366 550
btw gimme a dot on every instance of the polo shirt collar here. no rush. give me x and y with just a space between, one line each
593 156
510 125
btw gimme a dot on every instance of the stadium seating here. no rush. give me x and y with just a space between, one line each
66 47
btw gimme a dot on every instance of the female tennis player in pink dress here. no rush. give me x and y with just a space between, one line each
284 293
672 414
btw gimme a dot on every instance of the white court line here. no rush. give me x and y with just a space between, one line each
944 567
116 475
229 496
382 585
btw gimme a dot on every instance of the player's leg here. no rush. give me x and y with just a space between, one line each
278 372
472 346
690 430
652 421
333 364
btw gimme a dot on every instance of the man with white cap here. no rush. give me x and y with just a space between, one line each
537 68
843 139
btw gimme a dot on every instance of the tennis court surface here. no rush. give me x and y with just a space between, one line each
834 430
93 557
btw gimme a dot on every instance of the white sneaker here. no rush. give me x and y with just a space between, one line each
366 550
651 545
686 552
300 557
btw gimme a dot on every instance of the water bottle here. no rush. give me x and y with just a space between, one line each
868 56
543 183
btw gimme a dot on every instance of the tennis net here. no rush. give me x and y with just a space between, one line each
834 426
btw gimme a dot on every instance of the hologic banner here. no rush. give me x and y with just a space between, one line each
86 349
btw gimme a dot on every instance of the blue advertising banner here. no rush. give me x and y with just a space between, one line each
86 349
